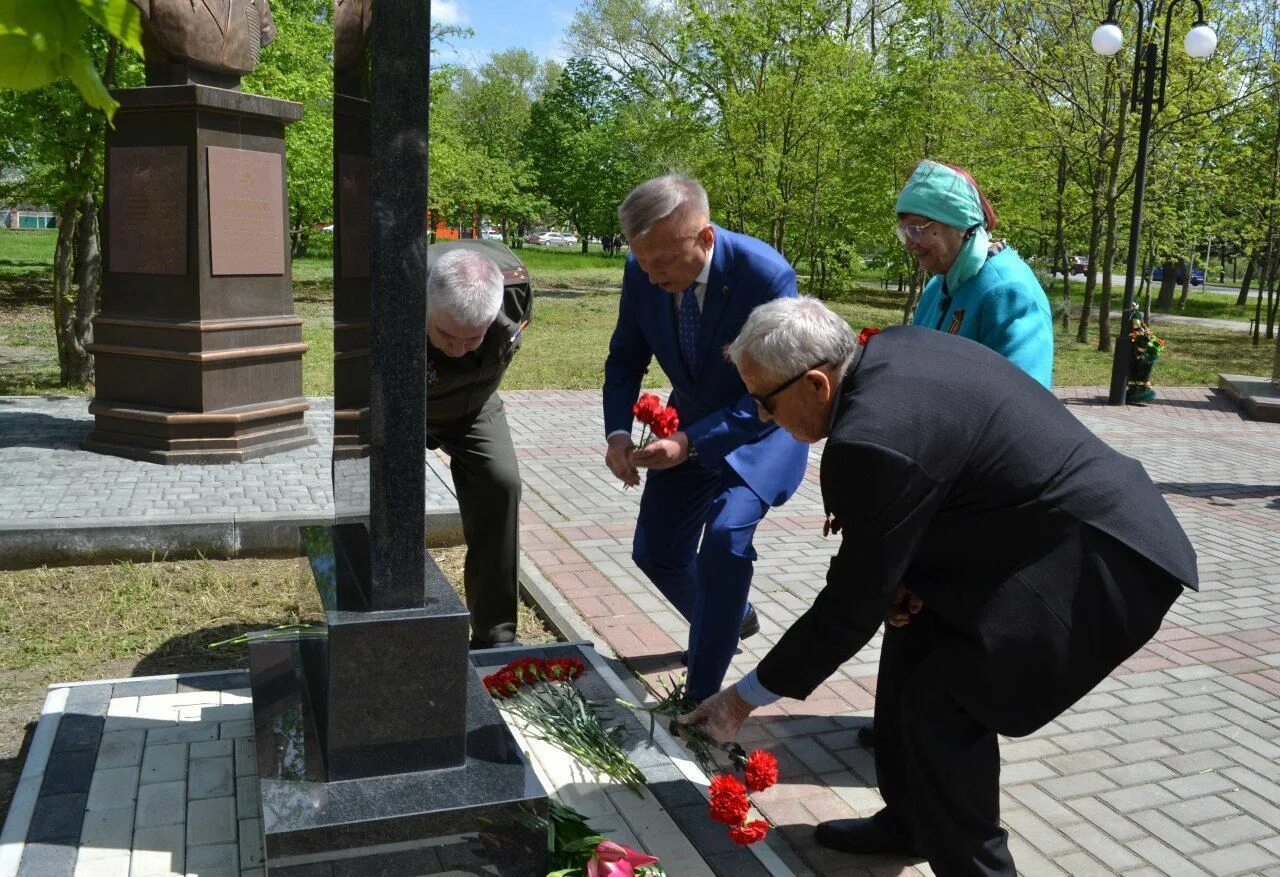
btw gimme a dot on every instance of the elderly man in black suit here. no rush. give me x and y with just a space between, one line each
1017 558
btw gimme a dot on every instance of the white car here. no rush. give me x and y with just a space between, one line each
491 234
558 239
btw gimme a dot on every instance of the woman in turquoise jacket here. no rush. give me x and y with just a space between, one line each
989 295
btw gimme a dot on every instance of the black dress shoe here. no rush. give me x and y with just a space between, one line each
750 627
878 834
867 736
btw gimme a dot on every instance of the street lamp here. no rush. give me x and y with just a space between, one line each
1148 61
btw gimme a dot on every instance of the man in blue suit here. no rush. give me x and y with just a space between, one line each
687 288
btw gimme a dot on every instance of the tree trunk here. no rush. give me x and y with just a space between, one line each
74 363
913 288
1243 298
1164 301
1097 214
1113 196
1061 242
89 271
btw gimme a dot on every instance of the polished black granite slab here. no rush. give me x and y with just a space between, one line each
373 692
485 810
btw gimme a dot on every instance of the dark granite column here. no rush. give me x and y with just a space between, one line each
401 85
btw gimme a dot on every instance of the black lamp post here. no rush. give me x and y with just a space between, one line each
1148 62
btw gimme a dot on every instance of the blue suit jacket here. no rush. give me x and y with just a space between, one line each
715 410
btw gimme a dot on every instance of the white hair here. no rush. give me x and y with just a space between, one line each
467 286
788 335
659 198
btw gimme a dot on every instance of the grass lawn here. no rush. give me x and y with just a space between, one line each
137 619
574 314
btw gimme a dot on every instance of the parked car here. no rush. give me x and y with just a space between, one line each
558 239
534 237
1079 265
1197 275
491 234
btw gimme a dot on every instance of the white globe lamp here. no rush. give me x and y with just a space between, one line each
1108 39
1200 41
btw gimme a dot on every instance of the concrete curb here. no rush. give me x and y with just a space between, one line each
65 542
13 838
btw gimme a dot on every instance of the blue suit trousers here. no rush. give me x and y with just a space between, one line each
693 540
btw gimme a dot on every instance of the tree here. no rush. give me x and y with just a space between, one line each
41 42
572 143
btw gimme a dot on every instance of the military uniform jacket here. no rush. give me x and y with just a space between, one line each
952 472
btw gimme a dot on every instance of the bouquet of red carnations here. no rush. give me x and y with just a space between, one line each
542 695
659 421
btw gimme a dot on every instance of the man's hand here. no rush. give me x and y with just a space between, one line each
720 715
618 459
904 605
663 453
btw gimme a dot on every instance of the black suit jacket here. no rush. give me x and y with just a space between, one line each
1046 557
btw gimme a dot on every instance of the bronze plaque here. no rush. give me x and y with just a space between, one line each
147 209
246 211
353 214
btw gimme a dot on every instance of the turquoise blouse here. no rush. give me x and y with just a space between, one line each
1002 307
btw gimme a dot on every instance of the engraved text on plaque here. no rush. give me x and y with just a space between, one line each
147 209
246 211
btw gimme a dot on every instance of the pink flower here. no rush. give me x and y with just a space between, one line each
616 860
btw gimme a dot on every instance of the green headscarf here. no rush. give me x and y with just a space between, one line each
940 193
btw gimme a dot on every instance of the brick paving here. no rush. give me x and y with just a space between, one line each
1172 766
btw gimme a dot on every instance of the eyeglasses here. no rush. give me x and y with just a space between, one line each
763 401
912 233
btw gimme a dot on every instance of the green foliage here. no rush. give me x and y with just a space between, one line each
43 41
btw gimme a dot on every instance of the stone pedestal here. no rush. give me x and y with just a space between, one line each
198 350
378 748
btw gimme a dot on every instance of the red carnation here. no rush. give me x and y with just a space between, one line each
866 333
527 670
761 770
666 423
729 804
502 684
749 832
563 668
647 407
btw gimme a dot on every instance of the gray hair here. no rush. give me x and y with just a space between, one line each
788 335
467 286
659 198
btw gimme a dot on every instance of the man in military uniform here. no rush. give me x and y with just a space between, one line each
471 339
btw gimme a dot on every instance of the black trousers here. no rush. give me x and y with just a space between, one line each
1006 660
938 767
486 477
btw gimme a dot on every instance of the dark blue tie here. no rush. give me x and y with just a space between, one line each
690 317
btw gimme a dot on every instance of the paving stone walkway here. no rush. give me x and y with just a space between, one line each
1172 766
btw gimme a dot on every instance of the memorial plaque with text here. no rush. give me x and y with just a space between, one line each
147 209
353 214
246 211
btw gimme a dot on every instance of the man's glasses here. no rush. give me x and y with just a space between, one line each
764 401
912 233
